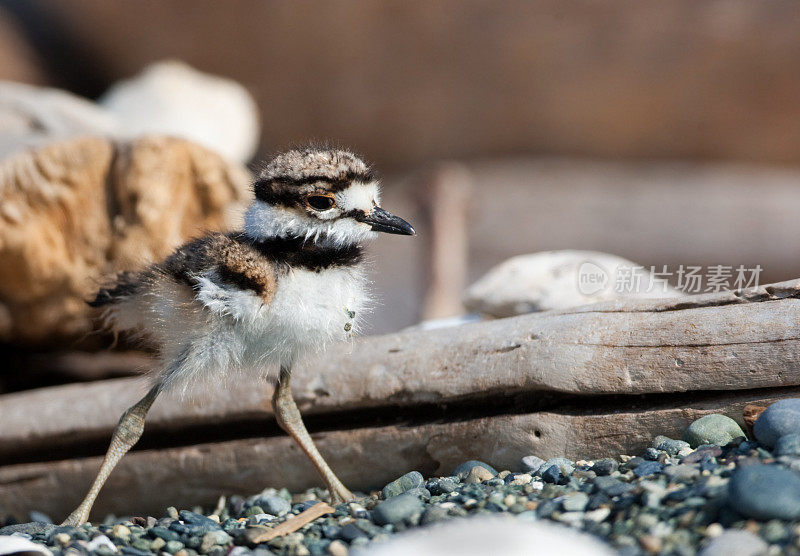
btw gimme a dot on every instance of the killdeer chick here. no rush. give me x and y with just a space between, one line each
289 284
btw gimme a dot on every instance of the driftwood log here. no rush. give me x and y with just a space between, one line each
595 381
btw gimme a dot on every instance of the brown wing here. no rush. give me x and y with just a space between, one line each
236 262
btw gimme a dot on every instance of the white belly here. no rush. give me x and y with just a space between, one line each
231 330
311 310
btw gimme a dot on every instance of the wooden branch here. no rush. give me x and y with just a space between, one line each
147 481
712 342
587 382
294 523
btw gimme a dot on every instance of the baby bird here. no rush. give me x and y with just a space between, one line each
291 283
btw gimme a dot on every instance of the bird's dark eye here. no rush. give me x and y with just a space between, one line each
320 202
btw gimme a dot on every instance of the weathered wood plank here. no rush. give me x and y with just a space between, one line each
712 342
148 481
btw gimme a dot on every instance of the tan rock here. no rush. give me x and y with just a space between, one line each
478 474
75 211
751 415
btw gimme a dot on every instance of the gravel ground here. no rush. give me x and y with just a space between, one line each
712 492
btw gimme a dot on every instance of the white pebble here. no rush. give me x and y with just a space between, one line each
571 518
121 531
521 479
714 530
597 515
101 541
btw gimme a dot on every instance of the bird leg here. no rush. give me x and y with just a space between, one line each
289 419
126 434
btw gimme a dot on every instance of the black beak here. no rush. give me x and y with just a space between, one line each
383 221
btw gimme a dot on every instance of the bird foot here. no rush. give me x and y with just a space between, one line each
340 495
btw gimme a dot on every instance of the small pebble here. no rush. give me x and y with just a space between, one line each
338 548
648 468
552 475
434 514
478 474
273 505
564 465
576 501
403 484
173 547
121 532
605 467
398 509
464 469
442 485
531 464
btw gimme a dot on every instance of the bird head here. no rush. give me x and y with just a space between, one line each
322 195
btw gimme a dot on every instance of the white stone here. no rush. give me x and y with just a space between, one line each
478 536
31 116
101 541
172 98
560 280
14 544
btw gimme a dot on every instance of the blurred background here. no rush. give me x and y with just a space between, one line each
663 132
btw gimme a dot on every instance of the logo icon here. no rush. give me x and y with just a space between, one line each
592 278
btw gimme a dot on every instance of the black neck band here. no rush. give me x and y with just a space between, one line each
300 252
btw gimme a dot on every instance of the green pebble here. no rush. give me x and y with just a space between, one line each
775 531
141 544
403 484
253 510
222 537
193 542
576 502
173 546
517 508
712 429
